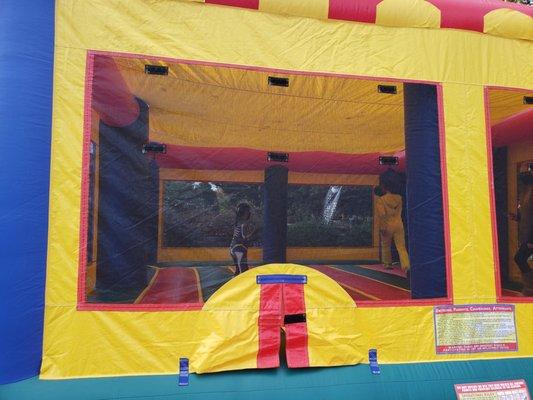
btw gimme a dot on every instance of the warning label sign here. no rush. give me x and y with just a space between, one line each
475 328
502 390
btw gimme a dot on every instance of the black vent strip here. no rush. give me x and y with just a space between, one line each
154 147
277 157
155 69
388 160
294 318
528 99
387 89
278 81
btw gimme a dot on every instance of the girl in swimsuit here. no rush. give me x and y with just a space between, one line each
242 232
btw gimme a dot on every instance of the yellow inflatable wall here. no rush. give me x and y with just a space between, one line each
81 343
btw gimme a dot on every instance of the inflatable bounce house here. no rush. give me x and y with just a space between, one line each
266 199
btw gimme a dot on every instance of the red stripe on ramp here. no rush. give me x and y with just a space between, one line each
511 293
173 285
381 290
357 296
381 268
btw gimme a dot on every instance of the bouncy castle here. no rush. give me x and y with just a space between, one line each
233 199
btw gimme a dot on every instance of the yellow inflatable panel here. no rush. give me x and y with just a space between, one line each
414 13
112 342
309 8
509 23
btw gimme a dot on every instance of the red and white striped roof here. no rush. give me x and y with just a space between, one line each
494 17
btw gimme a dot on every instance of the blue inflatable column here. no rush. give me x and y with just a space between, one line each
128 208
26 65
275 214
499 168
425 223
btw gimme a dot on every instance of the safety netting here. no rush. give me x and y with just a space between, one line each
195 173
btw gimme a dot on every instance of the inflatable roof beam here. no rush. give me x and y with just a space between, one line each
192 157
112 98
515 129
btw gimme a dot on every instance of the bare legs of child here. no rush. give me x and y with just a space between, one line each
240 259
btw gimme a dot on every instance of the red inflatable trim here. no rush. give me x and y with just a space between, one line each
457 14
278 300
269 326
515 129
469 15
111 97
360 11
296 333
253 4
236 159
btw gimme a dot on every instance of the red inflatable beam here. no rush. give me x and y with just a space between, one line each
469 15
515 129
111 97
236 159
360 11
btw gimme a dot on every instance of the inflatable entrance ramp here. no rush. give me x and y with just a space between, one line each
308 306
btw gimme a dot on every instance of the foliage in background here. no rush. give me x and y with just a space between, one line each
351 225
525 2
202 214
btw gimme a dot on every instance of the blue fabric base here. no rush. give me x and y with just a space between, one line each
406 381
